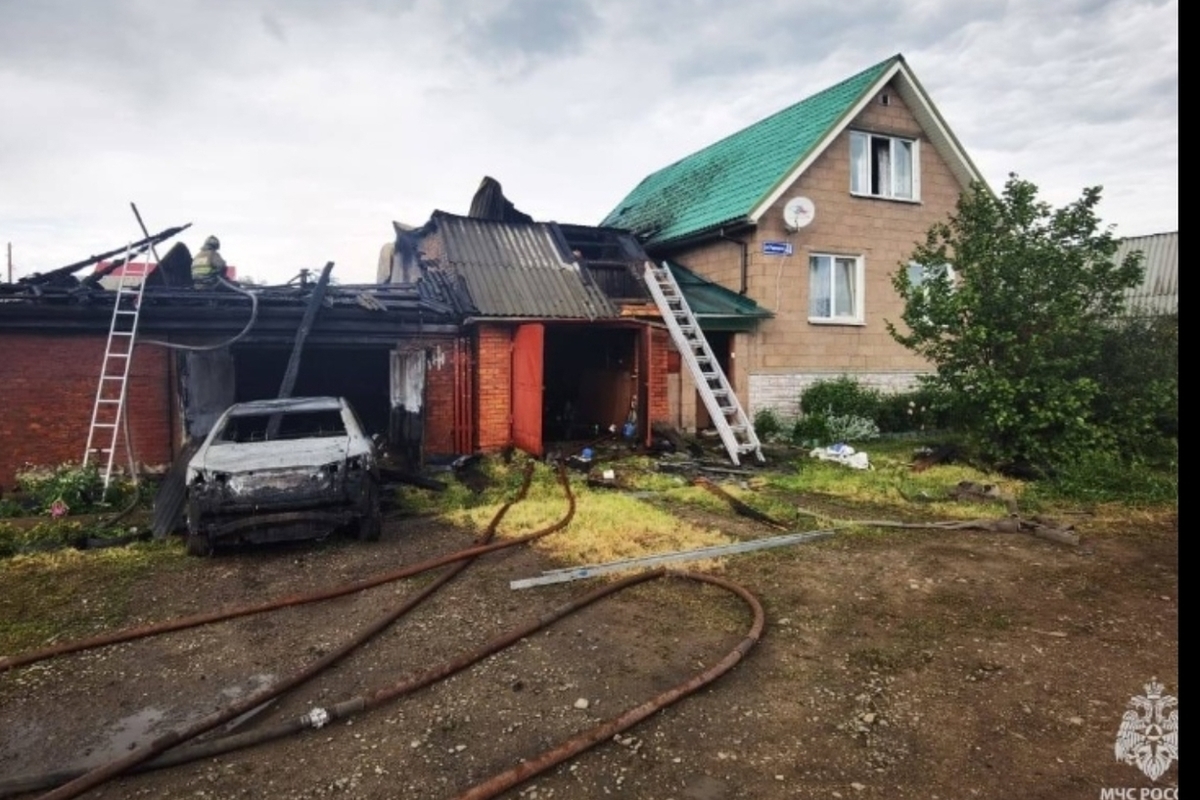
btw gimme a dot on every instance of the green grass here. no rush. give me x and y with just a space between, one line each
891 482
39 534
1103 478
501 482
1113 493
67 593
608 525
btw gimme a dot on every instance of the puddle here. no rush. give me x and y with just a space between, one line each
249 686
124 735
15 737
141 728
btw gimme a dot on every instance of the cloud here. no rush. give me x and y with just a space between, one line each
531 29
298 130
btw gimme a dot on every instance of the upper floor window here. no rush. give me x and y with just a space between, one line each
884 166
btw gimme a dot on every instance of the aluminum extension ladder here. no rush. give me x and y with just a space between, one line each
737 434
108 412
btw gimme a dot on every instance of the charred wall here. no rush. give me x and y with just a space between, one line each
358 374
590 379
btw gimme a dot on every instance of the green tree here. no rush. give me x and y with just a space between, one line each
1015 326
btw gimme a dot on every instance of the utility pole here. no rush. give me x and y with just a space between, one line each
10 262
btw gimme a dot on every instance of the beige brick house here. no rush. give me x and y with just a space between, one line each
808 213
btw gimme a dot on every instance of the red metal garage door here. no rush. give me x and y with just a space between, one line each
527 388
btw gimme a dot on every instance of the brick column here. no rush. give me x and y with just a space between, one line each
493 386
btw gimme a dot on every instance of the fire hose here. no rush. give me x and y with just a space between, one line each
71 783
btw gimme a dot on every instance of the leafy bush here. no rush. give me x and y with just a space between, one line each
11 508
850 428
842 396
80 489
767 425
922 409
1101 476
838 410
1016 333
811 430
1137 370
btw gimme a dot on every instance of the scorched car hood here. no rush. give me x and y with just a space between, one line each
285 454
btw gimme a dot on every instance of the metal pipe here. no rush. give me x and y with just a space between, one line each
745 256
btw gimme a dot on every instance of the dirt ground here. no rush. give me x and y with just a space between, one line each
895 664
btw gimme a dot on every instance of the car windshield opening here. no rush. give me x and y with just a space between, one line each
292 425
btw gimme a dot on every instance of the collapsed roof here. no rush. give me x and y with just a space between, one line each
513 267
59 302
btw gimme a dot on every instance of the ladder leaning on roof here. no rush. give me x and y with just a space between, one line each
737 434
108 412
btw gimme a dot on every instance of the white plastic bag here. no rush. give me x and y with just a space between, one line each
842 454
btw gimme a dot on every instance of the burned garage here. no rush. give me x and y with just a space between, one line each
197 351
564 335
482 333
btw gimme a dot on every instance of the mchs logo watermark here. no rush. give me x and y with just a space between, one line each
1149 740
1145 793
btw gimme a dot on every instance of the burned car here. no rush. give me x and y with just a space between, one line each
279 470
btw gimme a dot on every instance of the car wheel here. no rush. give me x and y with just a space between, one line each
370 524
198 544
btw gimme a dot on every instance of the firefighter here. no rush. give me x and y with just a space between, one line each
208 266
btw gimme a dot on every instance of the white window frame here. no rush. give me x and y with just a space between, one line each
925 273
860 173
857 315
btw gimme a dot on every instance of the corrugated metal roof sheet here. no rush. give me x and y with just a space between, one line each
725 181
518 269
1158 292
715 307
440 290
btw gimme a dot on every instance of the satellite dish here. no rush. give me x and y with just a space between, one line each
798 213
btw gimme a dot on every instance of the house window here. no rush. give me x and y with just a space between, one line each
884 166
920 274
835 288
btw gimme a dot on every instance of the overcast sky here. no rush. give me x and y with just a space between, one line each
297 130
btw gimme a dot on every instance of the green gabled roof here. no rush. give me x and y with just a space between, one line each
715 307
725 181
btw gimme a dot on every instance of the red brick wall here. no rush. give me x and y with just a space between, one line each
660 357
493 357
439 399
493 412
47 389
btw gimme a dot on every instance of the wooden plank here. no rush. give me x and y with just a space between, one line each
293 367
